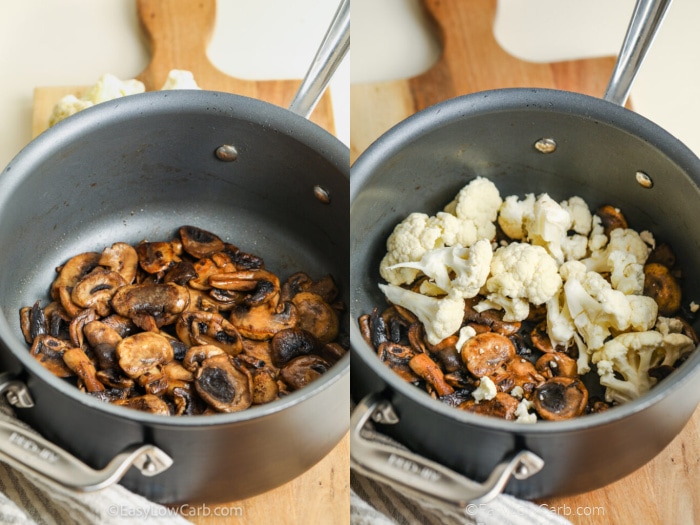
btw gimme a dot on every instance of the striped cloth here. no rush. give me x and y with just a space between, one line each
31 501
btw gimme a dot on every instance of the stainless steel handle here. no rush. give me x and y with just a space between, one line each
420 477
644 24
29 453
330 54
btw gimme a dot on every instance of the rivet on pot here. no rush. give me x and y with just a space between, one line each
226 153
322 194
546 145
643 179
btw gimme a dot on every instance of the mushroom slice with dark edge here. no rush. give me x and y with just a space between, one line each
81 365
397 357
73 271
264 321
263 286
96 289
300 282
302 370
316 316
198 242
560 398
121 258
33 322
75 328
555 364
196 355
156 257
222 385
209 328
428 370
141 357
163 303
264 385
663 287
611 218
146 403
485 353
502 405
290 343
103 340
49 351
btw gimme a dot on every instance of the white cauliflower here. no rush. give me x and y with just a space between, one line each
523 414
514 214
548 226
486 390
465 334
478 201
454 269
520 271
560 325
623 240
441 316
179 79
626 274
624 362
581 217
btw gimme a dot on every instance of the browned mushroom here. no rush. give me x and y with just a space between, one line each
181 273
198 242
662 253
156 257
663 287
290 343
262 286
431 373
445 352
64 297
75 329
265 388
264 321
524 374
209 328
502 405
141 357
301 282
316 316
485 353
560 398
145 304
493 319
49 351
81 365
196 355
397 357
146 403
73 271
103 340
556 364
302 370
611 218
261 350
96 289
115 378
121 258
333 352
33 322
222 385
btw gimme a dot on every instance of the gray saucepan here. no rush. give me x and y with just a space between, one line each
138 168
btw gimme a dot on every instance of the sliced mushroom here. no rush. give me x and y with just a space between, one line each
222 385
196 355
556 364
146 403
502 405
75 329
333 352
141 357
156 257
524 374
260 350
611 218
64 297
121 258
429 371
186 400
198 242
49 351
316 316
292 342
493 319
96 289
209 328
262 322
114 377
300 282
175 371
397 357
662 254
103 339
243 260
121 324
560 398
161 303
264 385
57 319
485 353
33 322
663 287
303 370
73 271
263 286
181 273
205 268
81 365
446 354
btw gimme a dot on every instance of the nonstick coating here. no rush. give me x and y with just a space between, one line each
136 169
422 163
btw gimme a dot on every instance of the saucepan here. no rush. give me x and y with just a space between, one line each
260 176
525 141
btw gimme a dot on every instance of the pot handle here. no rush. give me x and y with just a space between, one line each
26 451
421 477
644 24
330 54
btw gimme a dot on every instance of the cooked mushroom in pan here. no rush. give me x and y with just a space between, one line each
189 326
529 309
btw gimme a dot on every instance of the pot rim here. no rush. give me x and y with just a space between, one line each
443 113
274 118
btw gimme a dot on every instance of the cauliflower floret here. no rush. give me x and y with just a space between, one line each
486 390
441 316
464 232
574 247
581 218
514 214
548 226
626 274
465 334
67 106
409 241
597 239
523 414
560 325
631 355
454 269
179 79
623 240
479 201
522 271
513 309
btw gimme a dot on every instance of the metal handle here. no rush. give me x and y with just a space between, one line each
421 477
29 453
330 54
646 20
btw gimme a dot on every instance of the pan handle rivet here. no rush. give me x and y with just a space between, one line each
546 145
322 194
226 153
643 179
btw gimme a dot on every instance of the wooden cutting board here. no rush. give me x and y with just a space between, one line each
666 490
178 32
